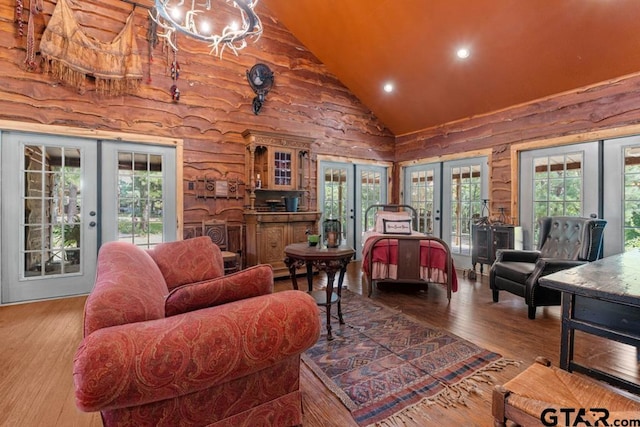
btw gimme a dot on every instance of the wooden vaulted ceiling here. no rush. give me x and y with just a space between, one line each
521 50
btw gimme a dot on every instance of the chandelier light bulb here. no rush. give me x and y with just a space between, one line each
205 27
176 13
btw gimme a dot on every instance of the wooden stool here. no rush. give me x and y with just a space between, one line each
543 392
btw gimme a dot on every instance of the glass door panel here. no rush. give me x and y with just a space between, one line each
558 186
559 181
337 184
141 181
622 196
631 198
49 219
339 190
465 187
371 189
422 191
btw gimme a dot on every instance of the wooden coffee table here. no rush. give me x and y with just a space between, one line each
329 260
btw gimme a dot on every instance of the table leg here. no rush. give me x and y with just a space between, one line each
343 270
330 277
310 275
567 334
292 271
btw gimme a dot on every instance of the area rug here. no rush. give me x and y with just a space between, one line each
386 366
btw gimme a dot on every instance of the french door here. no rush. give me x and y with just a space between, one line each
59 202
597 178
448 196
341 185
558 181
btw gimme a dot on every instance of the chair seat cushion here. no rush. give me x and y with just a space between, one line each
540 387
514 271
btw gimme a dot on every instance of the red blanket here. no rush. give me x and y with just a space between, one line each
432 255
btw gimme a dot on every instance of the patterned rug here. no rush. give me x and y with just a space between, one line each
386 366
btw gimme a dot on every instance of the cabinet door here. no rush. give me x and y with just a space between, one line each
298 230
480 248
272 243
502 239
283 169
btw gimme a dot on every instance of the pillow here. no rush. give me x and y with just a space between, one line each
396 226
381 215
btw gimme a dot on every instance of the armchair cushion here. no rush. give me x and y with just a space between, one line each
188 261
251 282
516 255
516 271
129 288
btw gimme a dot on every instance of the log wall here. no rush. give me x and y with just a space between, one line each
215 105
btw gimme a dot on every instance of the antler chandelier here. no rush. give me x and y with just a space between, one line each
198 22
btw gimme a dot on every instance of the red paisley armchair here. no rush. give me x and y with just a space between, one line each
170 341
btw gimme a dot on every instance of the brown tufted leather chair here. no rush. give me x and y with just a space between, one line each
564 242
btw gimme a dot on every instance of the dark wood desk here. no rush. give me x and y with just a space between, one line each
601 298
329 260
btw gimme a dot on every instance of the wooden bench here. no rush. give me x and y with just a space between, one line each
546 393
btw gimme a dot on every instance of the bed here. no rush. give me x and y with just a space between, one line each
394 252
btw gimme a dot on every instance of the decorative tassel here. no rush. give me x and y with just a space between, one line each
19 21
175 93
175 70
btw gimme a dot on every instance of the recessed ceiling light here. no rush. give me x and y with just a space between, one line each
388 87
463 53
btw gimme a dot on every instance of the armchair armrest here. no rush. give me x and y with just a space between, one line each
143 362
546 266
516 255
251 282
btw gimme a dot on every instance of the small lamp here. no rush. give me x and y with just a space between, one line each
331 233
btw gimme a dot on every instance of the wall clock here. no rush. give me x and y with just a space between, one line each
260 79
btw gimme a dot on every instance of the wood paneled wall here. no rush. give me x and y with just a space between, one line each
606 110
215 106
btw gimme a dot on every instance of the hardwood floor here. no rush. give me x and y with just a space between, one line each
39 340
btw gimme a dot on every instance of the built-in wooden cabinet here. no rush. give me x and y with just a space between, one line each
278 168
277 165
268 233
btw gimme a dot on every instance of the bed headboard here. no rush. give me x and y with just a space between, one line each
370 213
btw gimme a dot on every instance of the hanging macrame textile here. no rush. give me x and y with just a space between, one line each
71 55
